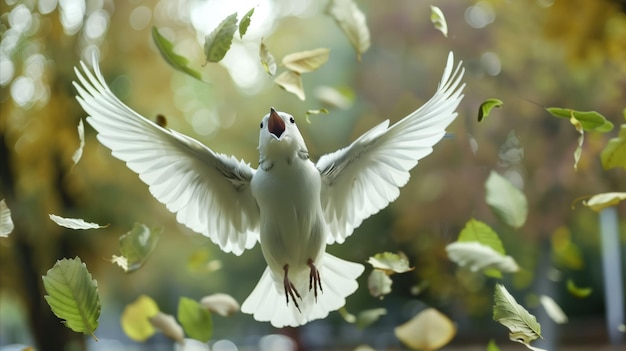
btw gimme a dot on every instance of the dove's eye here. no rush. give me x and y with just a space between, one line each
261 125
292 120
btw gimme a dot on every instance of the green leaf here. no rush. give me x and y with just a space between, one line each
505 200
314 112
599 202
491 346
379 283
292 82
589 120
352 21
73 295
478 231
137 245
217 43
614 153
578 291
135 319
347 316
166 48
245 23
368 317
390 262
581 139
267 60
485 108
196 320
523 326
438 19
306 61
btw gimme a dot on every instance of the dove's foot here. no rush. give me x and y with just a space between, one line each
314 279
290 290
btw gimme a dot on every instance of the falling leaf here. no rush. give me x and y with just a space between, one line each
306 61
245 23
478 231
379 283
505 200
428 330
121 261
599 202
135 319
315 112
565 252
553 310
485 108
479 257
523 326
222 304
75 223
6 222
167 324
267 60
368 317
578 291
589 120
491 346
390 262
291 82
73 295
137 245
581 139
81 138
352 21
438 19
347 316
614 153
217 43
335 98
166 48
196 320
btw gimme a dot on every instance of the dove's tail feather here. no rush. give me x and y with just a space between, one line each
267 301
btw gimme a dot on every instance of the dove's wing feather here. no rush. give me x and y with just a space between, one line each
365 177
209 192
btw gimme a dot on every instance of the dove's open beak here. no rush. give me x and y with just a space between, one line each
276 125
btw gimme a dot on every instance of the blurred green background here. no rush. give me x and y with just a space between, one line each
530 54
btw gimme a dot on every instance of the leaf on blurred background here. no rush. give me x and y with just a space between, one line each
428 330
553 310
480 232
291 82
439 20
334 98
245 23
479 257
166 48
352 21
73 295
368 317
6 222
581 139
217 43
599 202
306 61
614 153
137 245
505 200
491 346
522 325
196 320
200 261
589 120
314 112
222 304
577 291
379 283
485 108
390 262
135 319
81 138
565 253
347 316
267 60
75 223
168 325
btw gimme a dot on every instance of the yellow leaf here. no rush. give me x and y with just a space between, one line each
292 82
135 319
306 61
428 330
601 201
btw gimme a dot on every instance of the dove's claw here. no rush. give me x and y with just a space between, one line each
314 279
290 290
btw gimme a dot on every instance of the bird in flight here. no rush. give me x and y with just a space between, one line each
289 204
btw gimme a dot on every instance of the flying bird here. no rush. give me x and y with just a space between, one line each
289 204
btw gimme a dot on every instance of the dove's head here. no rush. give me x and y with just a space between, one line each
280 136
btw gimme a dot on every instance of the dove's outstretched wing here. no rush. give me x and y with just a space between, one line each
365 177
209 192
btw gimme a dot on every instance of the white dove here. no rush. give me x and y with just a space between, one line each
293 206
